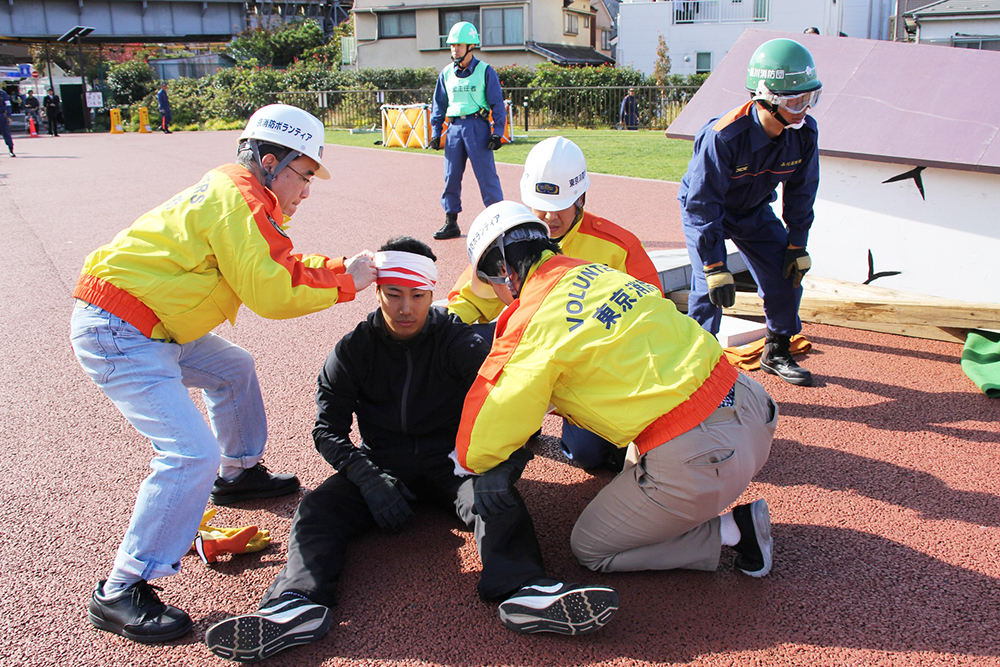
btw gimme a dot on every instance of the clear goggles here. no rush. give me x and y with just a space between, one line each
794 104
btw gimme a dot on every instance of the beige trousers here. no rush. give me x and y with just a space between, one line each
662 511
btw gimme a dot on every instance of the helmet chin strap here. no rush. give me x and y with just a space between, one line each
269 176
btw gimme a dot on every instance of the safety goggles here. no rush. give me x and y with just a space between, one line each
797 103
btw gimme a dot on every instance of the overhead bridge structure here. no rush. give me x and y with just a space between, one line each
157 20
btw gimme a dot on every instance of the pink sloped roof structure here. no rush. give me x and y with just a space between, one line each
896 102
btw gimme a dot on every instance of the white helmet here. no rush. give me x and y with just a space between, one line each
490 229
291 127
555 175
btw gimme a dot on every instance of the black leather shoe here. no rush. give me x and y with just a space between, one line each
450 230
137 614
777 360
253 483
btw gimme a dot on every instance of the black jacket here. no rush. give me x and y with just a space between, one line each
407 395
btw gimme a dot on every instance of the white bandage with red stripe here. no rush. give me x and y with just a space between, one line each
405 269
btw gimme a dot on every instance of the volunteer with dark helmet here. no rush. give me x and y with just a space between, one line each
467 91
146 304
739 160
617 359
554 186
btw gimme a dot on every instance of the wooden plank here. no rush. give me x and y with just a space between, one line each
749 304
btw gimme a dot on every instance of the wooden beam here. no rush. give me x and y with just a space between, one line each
871 308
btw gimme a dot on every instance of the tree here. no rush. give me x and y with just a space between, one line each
279 47
130 81
661 67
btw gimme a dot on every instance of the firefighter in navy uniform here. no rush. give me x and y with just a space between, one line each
467 91
739 160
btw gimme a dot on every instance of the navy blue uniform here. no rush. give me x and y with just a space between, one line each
468 139
727 193
5 108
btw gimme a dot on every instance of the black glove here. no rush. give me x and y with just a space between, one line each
797 264
494 488
386 496
496 141
721 288
436 142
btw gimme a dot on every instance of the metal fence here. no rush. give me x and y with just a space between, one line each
578 107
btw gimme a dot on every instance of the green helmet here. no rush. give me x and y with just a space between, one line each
783 67
463 32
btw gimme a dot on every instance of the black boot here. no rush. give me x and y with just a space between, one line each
450 229
777 360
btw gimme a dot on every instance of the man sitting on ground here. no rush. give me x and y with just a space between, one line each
404 372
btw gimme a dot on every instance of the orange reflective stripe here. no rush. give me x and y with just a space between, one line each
116 301
261 201
510 329
732 116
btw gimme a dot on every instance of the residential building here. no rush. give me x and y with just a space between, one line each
699 33
968 25
393 33
604 33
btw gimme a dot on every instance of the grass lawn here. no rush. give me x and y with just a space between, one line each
642 153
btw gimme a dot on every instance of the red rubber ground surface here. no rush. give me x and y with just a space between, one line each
883 481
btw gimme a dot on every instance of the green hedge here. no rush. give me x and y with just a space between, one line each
232 94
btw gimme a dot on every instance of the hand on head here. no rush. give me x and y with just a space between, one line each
361 267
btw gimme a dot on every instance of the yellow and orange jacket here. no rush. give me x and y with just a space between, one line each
593 239
186 266
605 350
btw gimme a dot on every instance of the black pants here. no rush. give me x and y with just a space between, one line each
335 512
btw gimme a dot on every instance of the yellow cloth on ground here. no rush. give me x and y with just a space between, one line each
212 541
747 357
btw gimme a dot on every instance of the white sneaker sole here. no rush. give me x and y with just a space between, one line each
579 611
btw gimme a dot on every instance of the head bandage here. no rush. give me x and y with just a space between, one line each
405 269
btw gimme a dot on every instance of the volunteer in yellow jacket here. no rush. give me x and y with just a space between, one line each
146 304
554 186
615 358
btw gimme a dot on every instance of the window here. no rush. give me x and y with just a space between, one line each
449 17
605 40
586 21
704 63
503 27
397 24
572 24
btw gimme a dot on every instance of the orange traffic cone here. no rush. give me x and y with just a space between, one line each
31 127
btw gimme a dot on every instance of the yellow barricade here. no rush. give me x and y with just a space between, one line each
407 126
144 120
508 129
116 122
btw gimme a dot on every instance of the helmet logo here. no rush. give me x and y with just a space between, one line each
578 179
759 73
810 70
279 126
546 188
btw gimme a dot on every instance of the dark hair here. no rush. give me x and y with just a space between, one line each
811 31
408 244
244 155
521 256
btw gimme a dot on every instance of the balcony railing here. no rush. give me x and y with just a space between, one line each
720 11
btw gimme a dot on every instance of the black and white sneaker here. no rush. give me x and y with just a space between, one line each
756 545
286 622
568 609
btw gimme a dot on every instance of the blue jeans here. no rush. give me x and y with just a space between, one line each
148 381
